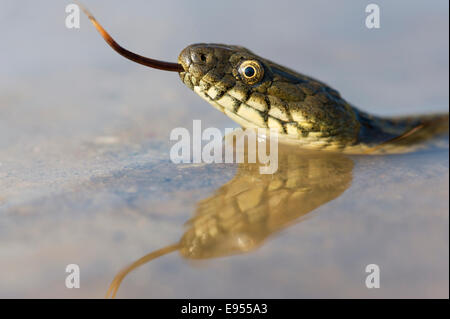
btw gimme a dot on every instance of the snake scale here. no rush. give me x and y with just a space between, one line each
258 93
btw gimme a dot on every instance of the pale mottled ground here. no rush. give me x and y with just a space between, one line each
85 175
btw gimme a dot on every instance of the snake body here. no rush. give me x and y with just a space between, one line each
258 93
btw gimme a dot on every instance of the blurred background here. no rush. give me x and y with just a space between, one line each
75 115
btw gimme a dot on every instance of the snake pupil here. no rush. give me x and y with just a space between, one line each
249 71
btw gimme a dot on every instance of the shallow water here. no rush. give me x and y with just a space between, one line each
85 174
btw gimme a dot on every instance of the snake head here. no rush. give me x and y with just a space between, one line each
222 67
258 93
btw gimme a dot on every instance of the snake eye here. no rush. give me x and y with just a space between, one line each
251 71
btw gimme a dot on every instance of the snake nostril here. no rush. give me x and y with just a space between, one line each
199 57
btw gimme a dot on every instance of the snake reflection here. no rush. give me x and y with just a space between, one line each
245 211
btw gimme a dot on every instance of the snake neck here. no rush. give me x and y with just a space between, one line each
399 134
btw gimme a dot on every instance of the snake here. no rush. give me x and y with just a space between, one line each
257 93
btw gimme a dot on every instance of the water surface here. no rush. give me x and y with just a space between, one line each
85 174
